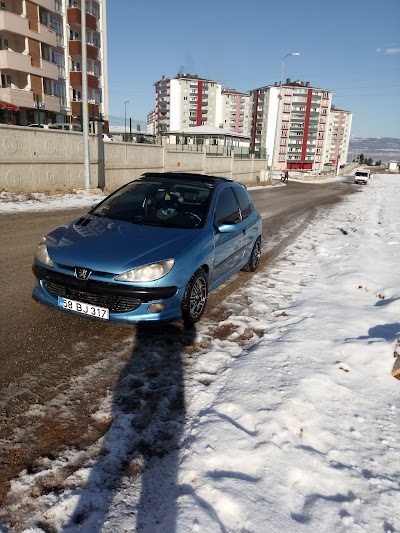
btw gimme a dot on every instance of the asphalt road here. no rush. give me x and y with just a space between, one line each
31 334
56 367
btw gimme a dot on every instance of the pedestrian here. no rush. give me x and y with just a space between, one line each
283 175
286 175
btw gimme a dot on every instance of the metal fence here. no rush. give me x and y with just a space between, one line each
238 152
184 147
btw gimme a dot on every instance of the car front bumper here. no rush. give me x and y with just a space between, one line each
126 303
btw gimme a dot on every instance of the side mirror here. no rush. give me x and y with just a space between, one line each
227 228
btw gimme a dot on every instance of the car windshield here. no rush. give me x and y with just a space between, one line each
158 202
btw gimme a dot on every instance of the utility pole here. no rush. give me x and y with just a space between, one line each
85 106
278 114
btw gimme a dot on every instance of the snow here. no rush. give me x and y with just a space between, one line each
12 203
294 430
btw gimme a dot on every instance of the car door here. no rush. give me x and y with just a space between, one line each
229 242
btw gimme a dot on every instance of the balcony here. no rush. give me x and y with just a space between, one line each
51 103
75 49
47 4
20 26
75 17
76 107
17 97
76 80
23 63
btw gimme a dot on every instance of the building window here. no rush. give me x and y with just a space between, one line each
5 80
3 43
56 26
95 11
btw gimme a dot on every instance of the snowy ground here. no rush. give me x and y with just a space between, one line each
297 432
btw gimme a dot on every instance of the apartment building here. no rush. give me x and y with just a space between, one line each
291 124
41 60
236 111
338 136
151 122
187 100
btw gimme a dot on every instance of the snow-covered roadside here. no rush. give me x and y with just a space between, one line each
37 201
297 432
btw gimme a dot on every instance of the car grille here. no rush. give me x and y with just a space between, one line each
114 302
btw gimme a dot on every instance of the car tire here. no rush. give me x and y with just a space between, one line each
195 297
254 259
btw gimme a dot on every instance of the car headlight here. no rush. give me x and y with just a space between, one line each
148 272
42 254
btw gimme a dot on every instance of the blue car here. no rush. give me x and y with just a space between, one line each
151 251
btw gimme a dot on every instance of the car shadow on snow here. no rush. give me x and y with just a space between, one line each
137 467
388 332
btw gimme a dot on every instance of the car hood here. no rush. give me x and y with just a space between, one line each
115 246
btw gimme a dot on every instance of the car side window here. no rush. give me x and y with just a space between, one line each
244 201
227 210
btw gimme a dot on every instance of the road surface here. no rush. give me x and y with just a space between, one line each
44 353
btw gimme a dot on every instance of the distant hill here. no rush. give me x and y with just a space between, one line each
384 148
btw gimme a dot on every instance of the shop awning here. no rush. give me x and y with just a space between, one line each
9 107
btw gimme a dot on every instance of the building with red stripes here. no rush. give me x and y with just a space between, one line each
291 123
236 111
186 101
338 136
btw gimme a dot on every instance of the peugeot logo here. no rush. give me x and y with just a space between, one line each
82 273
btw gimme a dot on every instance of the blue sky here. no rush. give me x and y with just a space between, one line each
351 47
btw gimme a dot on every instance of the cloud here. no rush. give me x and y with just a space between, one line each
390 51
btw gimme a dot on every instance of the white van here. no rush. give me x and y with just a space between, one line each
65 126
362 176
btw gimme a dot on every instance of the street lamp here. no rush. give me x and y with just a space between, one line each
126 102
278 112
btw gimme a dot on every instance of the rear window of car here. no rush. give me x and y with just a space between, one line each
244 201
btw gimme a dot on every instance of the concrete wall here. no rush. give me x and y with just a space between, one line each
39 160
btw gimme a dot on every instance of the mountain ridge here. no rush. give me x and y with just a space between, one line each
378 148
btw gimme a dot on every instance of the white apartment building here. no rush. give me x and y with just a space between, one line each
41 60
338 136
151 122
186 101
291 122
236 111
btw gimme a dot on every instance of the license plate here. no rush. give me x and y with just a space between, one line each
84 309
